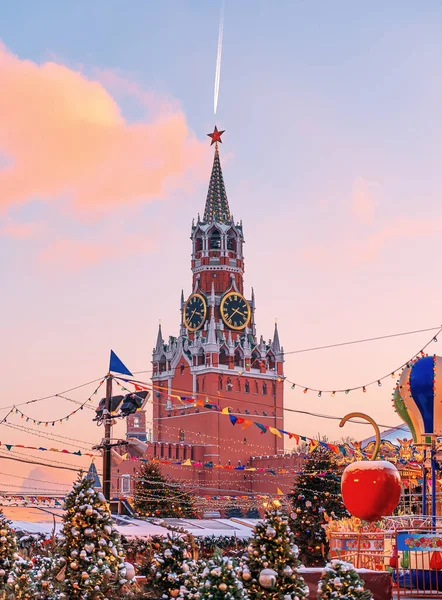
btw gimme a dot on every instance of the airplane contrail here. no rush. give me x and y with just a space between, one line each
218 57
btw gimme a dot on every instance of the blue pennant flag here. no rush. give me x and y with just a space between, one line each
117 366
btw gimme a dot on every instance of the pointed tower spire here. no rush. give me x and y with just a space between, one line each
92 474
160 341
217 206
275 344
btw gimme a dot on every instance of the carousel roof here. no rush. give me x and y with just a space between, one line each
391 435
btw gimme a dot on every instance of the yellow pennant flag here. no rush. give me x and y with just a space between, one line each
275 431
225 410
278 491
186 463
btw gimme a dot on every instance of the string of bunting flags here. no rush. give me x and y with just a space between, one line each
210 465
244 423
41 449
33 499
28 419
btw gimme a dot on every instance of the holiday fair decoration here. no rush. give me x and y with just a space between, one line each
174 570
20 584
219 581
8 548
371 489
92 562
269 569
316 500
340 579
160 496
420 389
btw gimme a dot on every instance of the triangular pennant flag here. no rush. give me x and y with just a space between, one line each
278 491
225 410
186 463
8 446
275 431
117 366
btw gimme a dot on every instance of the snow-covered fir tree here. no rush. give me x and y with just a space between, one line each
269 570
159 496
174 570
45 571
219 580
92 559
20 584
8 549
316 497
339 579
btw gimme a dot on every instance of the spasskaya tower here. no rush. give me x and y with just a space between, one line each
217 360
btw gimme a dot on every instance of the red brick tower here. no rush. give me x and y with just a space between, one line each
217 357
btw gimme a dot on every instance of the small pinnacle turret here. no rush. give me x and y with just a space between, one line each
160 341
275 343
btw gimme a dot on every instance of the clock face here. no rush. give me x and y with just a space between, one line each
235 310
195 312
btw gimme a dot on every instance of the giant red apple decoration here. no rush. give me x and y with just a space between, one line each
371 489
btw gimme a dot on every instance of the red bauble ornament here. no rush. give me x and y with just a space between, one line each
436 561
371 489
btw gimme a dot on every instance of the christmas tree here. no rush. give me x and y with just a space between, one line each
219 580
157 496
45 571
316 499
92 559
269 569
339 579
8 549
20 584
174 570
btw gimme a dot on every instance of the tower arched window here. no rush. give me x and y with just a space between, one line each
255 360
223 357
271 361
256 388
197 384
220 383
182 368
204 384
247 387
181 438
215 240
238 384
162 365
229 386
231 242
201 358
199 244
264 389
137 421
273 389
239 360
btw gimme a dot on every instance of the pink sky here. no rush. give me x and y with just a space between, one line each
330 158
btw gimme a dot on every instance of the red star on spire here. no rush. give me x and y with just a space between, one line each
216 136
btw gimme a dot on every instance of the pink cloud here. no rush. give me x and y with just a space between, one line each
20 231
357 251
363 202
73 255
64 137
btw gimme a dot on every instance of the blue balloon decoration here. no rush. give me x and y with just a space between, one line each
422 390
